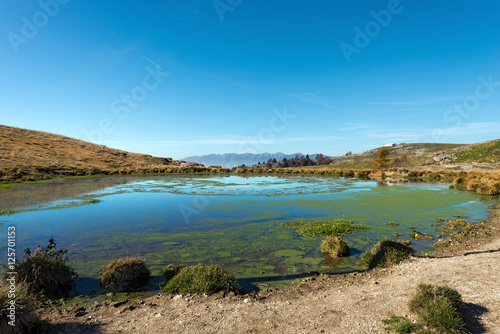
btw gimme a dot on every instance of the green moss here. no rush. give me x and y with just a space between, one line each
333 227
288 253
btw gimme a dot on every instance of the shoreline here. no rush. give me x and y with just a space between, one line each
354 302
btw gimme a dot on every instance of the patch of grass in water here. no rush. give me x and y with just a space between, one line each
323 228
7 212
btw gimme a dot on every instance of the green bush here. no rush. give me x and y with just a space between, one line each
335 247
438 307
25 321
170 271
202 278
385 253
45 270
125 274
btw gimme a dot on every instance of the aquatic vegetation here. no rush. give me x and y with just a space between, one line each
439 307
7 212
335 247
392 224
26 321
93 201
202 278
420 236
386 253
125 274
332 227
45 270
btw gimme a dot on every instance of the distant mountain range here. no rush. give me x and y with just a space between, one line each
230 160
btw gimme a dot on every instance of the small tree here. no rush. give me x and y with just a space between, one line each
382 161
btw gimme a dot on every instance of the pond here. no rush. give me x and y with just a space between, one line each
231 220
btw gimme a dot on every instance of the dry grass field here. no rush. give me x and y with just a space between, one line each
27 155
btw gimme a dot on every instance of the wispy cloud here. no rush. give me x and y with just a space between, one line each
473 128
312 98
354 126
415 103
226 141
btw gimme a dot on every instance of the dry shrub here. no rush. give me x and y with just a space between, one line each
385 253
472 186
335 247
202 278
24 317
125 274
488 189
45 270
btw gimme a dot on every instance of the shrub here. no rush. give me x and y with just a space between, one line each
460 181
170 271
125 274
487 189
335 246
472 186
26 321
45 270
202 278
438 307
385 253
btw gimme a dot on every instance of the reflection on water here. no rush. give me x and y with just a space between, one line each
230 220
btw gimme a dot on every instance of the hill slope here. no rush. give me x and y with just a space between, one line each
428 154
36 153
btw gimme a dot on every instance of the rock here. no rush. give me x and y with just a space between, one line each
246 300
118 304
80 313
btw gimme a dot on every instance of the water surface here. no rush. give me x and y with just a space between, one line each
231 221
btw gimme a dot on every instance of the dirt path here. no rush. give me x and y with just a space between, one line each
353 303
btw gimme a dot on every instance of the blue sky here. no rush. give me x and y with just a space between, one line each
181 78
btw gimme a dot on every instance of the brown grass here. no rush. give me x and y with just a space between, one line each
29 155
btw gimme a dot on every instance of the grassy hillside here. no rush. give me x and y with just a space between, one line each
487 152
27 155
417 154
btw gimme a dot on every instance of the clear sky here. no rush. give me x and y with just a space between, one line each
181 78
